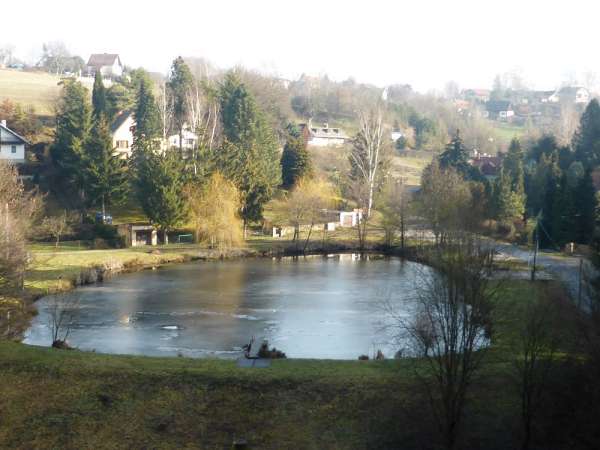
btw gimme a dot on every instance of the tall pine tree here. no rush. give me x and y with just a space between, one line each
99 105
249 156
73 122
105 172
179 85
585 204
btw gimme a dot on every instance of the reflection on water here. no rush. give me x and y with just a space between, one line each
310 307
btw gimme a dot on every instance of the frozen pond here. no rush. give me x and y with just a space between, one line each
313 307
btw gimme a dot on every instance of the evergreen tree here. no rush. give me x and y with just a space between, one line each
509 202
586 142
105 172
146 114
99 105
249 156
295 159
549 225
563 218
179 85
585 209
159 184
456 156
73 121
513 166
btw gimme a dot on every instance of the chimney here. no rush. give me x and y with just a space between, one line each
3 123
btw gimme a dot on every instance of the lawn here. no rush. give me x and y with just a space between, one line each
409 168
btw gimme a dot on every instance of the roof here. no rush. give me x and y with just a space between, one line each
489 165
498 105
15 137
103 59
120 120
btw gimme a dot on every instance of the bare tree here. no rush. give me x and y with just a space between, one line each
58 226
395 203
306 205
443 201
62 311
451 328
18 211
369 153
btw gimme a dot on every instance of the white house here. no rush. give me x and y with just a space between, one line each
574 94
12 146
323 136
109 65
122 134
350 218
190 140
397 134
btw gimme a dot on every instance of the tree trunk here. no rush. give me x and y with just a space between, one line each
308 237
57 241
103 210
245 229
165 236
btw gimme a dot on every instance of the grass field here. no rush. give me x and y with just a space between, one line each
37 89
409 168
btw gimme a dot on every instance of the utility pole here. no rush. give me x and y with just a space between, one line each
535 251
580 283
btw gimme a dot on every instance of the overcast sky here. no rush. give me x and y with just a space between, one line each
421 42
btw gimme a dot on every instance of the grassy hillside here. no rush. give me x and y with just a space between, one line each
37 89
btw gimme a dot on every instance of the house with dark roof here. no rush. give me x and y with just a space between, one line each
122 133
488 165
499 110
323 136
12 145
109 65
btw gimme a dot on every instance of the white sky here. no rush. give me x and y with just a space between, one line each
421 42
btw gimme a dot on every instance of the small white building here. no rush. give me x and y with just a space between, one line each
12 145
323 136
190 140
122 134
109 65
350 218
397 134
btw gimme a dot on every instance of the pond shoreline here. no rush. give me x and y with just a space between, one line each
110 267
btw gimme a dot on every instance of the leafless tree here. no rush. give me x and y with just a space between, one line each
18 211
450 328
58 226
369 155
395 203
62 311
166 111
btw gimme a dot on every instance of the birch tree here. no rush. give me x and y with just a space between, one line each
369 153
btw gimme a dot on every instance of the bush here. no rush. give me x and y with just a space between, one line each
264 352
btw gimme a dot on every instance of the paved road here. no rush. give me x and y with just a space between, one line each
563 268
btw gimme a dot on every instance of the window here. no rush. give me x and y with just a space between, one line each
188 141
122 144
13 149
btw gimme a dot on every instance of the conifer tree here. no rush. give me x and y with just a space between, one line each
73 121
585 204
295 159
456 156
586 142
99 105
160 189
249 156
513 166
105 172
509 203
179 85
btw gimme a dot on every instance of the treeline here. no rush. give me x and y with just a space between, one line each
544 192
237 146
